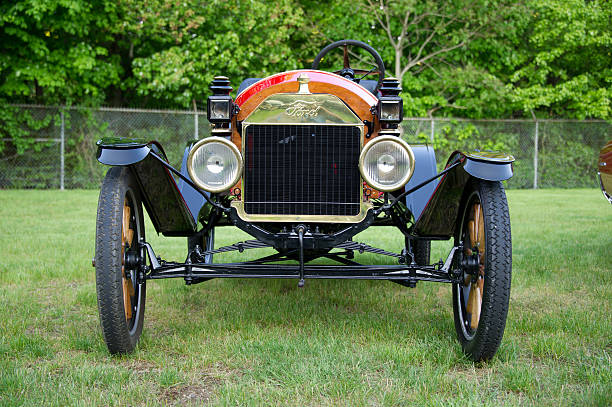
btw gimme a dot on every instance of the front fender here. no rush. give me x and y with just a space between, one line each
125 151
438 219
160 195
488 165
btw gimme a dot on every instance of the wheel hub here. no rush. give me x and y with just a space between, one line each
132 260
471 264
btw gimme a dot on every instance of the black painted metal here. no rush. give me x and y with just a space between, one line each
289 240
125 151
122 156
249 270
362 247
422 184
301 268
189 181
439 218
196 270
490 171
162 199
302 170
160 194
349 247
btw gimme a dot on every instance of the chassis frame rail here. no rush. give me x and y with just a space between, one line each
264 268
246 270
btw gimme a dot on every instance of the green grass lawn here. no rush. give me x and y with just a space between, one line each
266 342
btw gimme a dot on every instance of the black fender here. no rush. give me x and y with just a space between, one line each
160 194
489 165
124 151
438 219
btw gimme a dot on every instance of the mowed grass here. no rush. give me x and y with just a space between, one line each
266 342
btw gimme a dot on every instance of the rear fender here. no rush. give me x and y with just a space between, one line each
160 194
438 219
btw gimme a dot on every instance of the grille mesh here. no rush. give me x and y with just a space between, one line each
302 170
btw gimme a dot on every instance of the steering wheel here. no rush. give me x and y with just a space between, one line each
349 72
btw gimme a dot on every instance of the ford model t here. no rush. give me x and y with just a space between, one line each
303 161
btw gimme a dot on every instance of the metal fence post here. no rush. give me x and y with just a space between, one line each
62 150
431 134
195 121
535 156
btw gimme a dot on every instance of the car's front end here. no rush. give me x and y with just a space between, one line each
303 161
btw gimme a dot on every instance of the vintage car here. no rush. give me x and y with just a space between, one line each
605 170
303 161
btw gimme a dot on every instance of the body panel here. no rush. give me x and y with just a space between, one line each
489 171
163 200
439 217
322 77
424 168
193 198
116 151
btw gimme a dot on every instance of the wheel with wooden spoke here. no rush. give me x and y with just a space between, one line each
119 231
480 300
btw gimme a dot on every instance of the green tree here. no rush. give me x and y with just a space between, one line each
452 57
566 67
54 51
195 41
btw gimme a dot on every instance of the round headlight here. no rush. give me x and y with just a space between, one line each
214 164
386 163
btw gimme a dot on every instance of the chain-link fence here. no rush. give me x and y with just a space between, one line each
548 153
54 147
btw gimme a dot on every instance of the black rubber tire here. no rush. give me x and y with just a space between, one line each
120 335
482 344
379 62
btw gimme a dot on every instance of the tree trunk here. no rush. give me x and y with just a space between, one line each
398 63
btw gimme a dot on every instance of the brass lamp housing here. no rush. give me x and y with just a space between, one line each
194 175
376 185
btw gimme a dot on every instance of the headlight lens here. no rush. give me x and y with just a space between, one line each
386 163
214 164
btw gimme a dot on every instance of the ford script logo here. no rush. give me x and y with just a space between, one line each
301 108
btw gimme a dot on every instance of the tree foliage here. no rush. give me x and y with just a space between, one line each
57 51
566 65
233 38
477 58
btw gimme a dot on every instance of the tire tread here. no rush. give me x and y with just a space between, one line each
498 275
109 288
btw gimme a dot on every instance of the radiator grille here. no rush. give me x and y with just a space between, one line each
302 170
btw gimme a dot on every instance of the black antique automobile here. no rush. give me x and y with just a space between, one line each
303 161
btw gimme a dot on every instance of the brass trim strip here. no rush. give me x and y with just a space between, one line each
364 208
